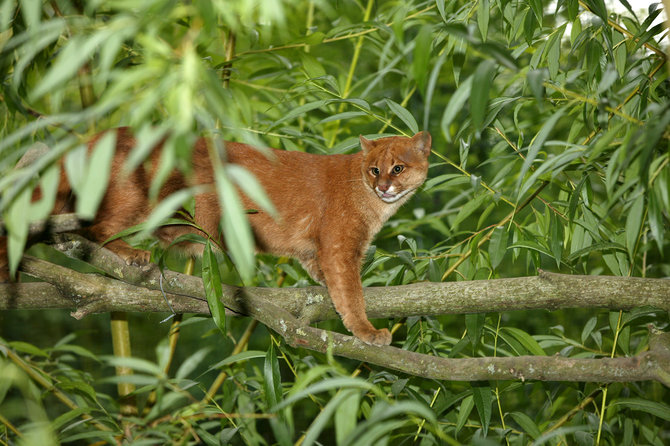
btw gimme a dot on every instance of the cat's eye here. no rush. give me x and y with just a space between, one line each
397 169
374 171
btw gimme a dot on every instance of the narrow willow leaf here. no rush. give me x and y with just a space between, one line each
598 7
404 115
483 18
41 208
301 110
189 365
483 398
634 224
338 404
654 408
77 51
497 246
479 96
556 238
272 378
526 424
342 116
440 8
251 187
526 340
244 356
346 415
422 51
136 364
536 7
455 105
588 328
464 412
96 177
432 84
31 12
474 323
166 209
236 230
470 207
535 79
537 144
17 227
211 279
553 52
656 219
328 384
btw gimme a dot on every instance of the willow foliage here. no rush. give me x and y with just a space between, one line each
550 128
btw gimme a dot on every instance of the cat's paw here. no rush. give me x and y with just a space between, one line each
375 337
136 257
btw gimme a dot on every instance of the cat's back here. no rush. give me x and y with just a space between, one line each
292 169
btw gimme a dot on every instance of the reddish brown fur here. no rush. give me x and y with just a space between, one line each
328 208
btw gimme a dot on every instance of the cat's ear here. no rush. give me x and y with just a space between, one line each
366 144
422 142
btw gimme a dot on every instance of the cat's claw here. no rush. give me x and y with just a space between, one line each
137 258
376 337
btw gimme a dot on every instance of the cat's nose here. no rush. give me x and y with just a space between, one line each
383 187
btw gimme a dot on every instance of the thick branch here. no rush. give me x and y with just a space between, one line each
287 310
312 304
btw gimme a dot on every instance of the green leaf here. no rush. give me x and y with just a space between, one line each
588 328
556 238
136 364
236 230
497 246
455 106
300 110
483 18
326 385
244 356
470 207
464 412
656 218
535 79
211 278
654 408
94 184
404 115
78 50
526 424
28 349
193 361
17 228
251 187
535 146
634 224
272 378
346 414
479 97
474 323
422 51
525 339
344 404
483 398
166 208
537 8
598 7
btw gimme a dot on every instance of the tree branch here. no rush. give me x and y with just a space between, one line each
289 311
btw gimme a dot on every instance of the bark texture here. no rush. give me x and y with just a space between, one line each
289 311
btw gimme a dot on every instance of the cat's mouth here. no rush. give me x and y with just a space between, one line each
391 197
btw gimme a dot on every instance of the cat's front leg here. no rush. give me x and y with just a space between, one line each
346 291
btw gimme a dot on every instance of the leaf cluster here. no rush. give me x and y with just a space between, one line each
550 129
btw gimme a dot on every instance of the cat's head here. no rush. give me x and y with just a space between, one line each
395 166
